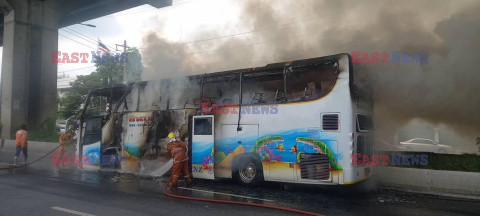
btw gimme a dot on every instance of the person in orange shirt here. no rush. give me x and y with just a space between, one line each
21 143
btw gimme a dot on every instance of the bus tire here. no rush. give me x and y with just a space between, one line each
248 170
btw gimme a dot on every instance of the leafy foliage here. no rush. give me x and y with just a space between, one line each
80 87
47 132
134 65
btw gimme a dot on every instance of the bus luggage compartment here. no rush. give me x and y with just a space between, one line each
314 166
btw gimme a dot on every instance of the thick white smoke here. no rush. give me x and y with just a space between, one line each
444 90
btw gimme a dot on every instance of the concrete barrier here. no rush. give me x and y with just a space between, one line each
467 183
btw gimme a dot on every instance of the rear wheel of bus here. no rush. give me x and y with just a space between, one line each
248 170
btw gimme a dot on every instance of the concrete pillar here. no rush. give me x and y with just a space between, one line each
28 75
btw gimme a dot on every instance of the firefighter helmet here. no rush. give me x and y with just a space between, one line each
171 135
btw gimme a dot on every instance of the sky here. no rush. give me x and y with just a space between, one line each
192 20
131 25
177 23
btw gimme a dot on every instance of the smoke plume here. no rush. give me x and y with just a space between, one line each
444 90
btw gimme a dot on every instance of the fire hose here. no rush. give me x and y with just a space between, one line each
235 202
24 165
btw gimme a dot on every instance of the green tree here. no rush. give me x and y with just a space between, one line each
80 87
134 65
107 73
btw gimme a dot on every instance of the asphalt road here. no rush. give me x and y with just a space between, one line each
43 189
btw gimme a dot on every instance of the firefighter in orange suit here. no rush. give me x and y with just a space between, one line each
178 151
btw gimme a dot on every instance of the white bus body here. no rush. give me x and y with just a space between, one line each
301 124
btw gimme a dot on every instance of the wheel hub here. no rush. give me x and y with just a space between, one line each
248 172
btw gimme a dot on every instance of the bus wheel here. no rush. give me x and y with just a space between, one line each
249 171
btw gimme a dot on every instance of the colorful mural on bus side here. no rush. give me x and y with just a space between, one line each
92 151
276 150
135 138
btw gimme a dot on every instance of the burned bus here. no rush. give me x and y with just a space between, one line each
296 122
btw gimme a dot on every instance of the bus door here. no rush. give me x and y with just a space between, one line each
203 147
91 139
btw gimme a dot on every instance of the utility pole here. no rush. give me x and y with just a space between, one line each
125 78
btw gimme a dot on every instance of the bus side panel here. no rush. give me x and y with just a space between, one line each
232 144
134 136
283 137
289 131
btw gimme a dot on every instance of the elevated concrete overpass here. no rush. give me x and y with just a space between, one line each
29 32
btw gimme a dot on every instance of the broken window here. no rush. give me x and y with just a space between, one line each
363 86
181 93
302 83
98 105
221 92
203 126
309 84
263 89
364 123
271 84
131 100
150 96
169 94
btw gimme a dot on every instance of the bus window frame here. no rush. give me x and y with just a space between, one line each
246 74
286 72
358 123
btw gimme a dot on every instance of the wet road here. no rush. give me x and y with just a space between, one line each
43 189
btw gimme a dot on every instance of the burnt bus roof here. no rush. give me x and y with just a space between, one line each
265 72
270 70
306 62
115 91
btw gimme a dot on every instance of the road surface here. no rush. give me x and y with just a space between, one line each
45 189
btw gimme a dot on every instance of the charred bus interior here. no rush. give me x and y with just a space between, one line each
95 113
